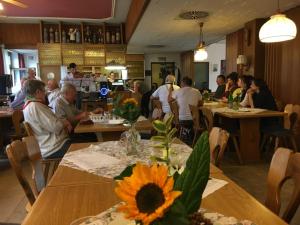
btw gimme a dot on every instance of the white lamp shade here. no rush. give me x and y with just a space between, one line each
241 60
278 28
200 55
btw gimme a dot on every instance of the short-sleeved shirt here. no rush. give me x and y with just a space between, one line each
52 96
162 93
65 110
186 96
220 91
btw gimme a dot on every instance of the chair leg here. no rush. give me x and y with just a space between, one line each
294 144
277 139
263 142
237 149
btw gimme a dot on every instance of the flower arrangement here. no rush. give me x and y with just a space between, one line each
152 197
128 109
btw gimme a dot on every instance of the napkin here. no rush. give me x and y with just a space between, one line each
212 186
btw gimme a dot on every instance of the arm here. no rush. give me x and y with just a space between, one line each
19 100
171 96
250 98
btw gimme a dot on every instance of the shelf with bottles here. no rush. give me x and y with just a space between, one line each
114 34
71 33
93 33
50 32
94 54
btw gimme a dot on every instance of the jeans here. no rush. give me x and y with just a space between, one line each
61 152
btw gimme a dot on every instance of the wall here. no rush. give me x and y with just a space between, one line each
19 36
234 47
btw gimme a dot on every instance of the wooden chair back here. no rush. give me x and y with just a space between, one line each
175 110
218 139
196 117
156 105
208 118
28 129
17 118
284 165
17 153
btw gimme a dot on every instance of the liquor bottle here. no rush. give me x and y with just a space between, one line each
78 36
46 35
64 36
118 37
113 38
107 37
51 35
56 36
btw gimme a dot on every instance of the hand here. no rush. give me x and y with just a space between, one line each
98 111
67 126
227 87
250 91
224 99
83 115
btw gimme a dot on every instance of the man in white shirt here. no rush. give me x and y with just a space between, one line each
73 72
50 131
162 93
186 96
53 92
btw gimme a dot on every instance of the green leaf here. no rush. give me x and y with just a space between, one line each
158 138
125 173
159 126
193 179
172 133
169 122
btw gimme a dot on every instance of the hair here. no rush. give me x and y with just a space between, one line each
170 79
221 76
233 76
187 81
31 86
261 84
67 87
247 80
72 65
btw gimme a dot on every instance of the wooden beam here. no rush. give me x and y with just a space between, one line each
135 13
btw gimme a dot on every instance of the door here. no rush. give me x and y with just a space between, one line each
201 75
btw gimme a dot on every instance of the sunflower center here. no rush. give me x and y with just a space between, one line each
149 198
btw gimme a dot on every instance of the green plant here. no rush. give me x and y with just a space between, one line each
127 109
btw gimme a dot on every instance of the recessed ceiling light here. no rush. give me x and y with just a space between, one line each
1 6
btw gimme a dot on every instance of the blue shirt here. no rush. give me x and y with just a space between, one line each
19 100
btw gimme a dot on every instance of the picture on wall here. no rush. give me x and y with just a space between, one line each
215 68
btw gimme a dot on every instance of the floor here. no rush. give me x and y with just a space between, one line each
251 177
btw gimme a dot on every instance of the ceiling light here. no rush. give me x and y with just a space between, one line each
200 54
1 6
278 28
113 65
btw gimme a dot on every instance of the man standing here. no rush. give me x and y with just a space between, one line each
50 131
221 87
162 93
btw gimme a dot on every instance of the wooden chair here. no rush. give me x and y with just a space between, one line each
157 106
196 122
284 165
28 129
218 139
17 153
175 111
17 118
209 121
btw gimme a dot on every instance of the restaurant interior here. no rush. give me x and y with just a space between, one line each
150 112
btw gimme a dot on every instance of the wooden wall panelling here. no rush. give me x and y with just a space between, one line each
135 57
187 64
23 36
136 11
234 47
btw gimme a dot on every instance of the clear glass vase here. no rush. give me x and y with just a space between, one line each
131 139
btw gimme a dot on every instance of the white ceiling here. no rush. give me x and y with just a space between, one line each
160 24
120 15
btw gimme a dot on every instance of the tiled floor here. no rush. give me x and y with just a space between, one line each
251 177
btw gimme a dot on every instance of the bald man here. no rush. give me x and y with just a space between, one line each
53 92
31 74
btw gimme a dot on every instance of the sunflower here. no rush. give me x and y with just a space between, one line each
130 101
147 193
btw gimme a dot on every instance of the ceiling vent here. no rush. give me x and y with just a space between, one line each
193 15
155 46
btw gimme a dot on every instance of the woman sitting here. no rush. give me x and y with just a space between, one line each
244 83
231 85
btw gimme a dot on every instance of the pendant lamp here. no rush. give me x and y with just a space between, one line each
277 29
200 54
113 65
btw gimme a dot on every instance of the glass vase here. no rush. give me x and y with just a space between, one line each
132 139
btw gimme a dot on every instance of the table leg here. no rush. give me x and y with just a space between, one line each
249 139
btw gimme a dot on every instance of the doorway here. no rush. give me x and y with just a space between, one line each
159 71
201 75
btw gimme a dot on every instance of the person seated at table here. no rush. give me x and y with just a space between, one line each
231 85
162 93
244 82
50 131
221 87
53 92
31 74
186 96
19 99
137 91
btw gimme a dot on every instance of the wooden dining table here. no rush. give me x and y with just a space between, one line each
249 128
110 132
73 194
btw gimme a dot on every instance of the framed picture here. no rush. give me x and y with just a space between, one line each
215 67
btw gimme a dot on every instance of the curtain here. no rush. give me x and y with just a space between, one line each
21 60
1 62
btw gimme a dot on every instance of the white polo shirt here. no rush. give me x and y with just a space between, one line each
162 93
186 96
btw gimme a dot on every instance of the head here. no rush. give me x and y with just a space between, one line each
258 85
69 92
245 81
111 76
35 89
137 86
73 68
52 85
186 82
31 74
170 79
232 78
220 80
